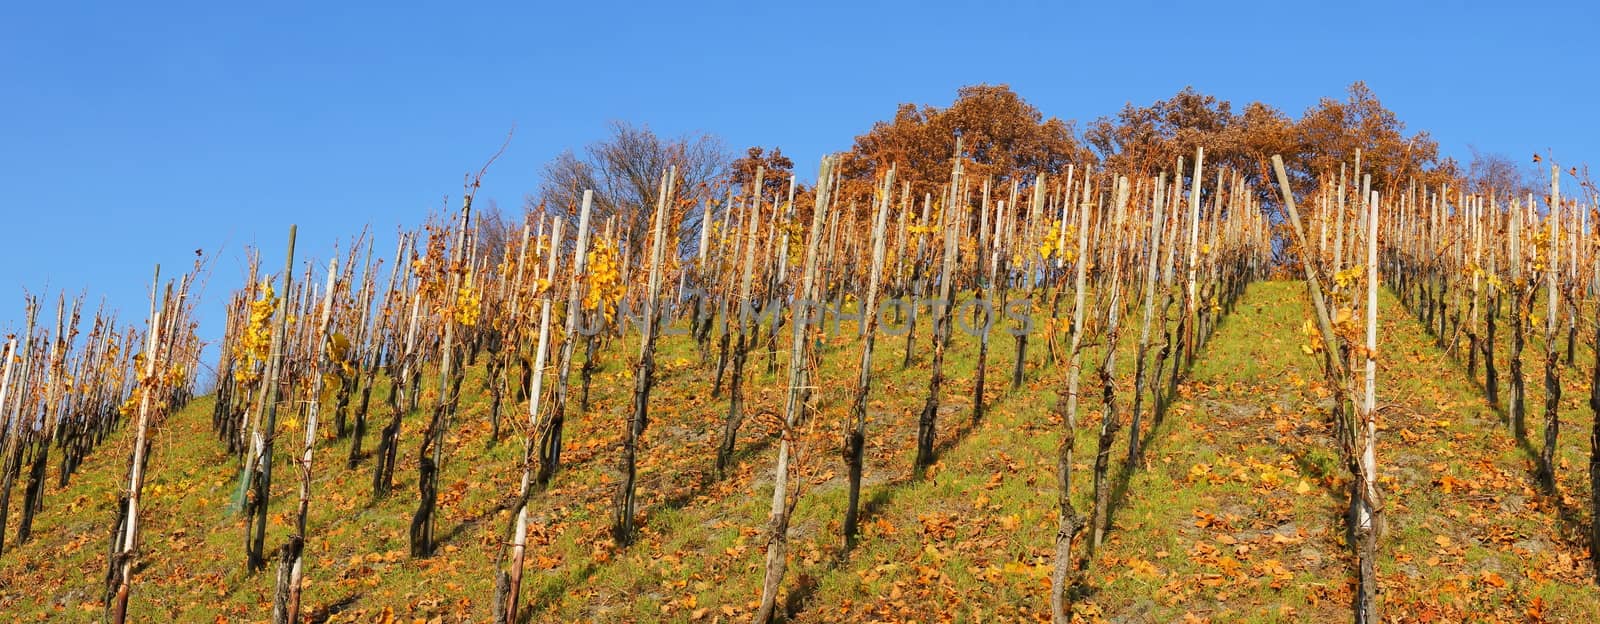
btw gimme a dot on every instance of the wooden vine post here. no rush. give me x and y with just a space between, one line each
550 437
801 368
508 583
856 434
286 601
927 422
126 539
1552 354
1068 520
1110 414
644 373
258 470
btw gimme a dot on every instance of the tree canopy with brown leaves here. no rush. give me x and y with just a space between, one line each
1330 133
778 169
1004 137
1146 139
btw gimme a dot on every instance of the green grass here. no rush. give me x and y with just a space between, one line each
1236 514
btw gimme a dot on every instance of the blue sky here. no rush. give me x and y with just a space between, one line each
132 134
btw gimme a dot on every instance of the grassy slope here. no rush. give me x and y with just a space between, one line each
1249 523
1235 516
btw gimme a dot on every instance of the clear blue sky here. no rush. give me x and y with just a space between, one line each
134 133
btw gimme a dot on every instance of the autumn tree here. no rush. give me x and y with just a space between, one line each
1005 138
623 169
778 168
1490 173
1331 132
1144 140
493 232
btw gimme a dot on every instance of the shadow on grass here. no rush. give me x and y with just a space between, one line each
808 583
1571 519
1168 393
705 479
882 496
963 428
551 594
474 521
1311 468
328 612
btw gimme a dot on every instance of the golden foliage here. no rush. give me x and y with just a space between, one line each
469 305
255 343
604 279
